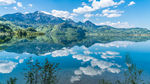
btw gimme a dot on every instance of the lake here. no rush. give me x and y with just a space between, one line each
84 61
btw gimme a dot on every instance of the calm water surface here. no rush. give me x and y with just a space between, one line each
79 62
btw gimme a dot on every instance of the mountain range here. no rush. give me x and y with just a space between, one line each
47 23
40 18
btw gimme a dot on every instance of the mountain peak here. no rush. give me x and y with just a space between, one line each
90 24
88 21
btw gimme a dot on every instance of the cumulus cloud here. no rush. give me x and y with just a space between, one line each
63 52
90 71
7 2
46 12
112 13
110 55
88 15
87 52
62 14
75 78
19 4
83 58
15 8
97 5
113 70
7 66
30 5
21 61
83 9
117 24
131 3
25 12
115 44
101 64
59 13
97 66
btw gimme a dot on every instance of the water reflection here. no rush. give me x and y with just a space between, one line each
7 66
44 44
82 61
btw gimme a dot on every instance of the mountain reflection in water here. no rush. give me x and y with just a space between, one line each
85 61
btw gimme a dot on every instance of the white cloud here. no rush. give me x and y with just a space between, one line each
19 4
117 24
15 8
115 44
7 66
98 15
101 64
112 13
60 53
30 5
87 52
75 78
97 5
83 9
64 14
17 57
113 70
121 2
131 3
86 19
59 13
78 72
90 71
103 3
83 58
88 15
63 52
46 12
7 2
21 61
25 12
110 55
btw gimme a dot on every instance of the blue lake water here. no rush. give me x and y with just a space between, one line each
79 64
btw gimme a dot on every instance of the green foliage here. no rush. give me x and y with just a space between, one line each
66 33
30 29
133 75
32 19
10 24
109 31
4 39
5 30
41 73
12 81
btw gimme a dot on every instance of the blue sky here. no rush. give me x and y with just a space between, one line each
117 13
